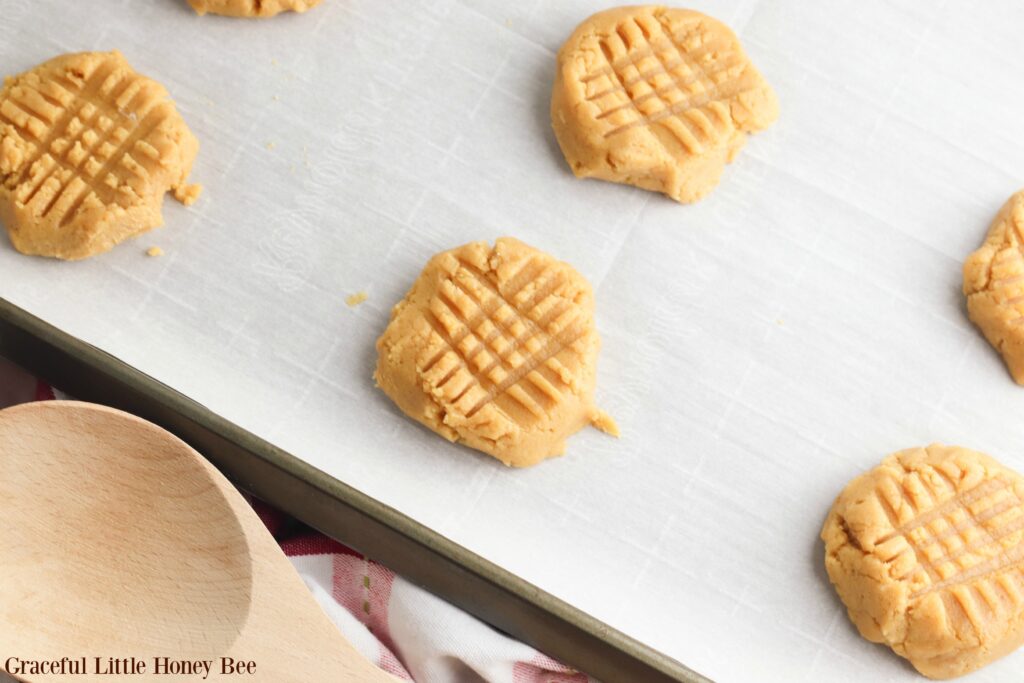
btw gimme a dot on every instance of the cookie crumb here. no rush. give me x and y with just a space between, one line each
354 300
270 145
154 252
188 194
606 423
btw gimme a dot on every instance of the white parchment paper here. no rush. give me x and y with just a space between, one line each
760 348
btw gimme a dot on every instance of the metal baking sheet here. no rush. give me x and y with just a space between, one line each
760 347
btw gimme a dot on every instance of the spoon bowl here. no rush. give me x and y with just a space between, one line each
119 540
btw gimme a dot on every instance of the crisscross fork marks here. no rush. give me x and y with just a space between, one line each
972 522
484 344
526 353
476 320
57 158
528 273
151 120
717 95
541 365
979 585
637 57
662 69
83 158
509 358
680 110
83 95
75 169
555 345
709 88
1012 559
949 604
120 163
25 128
654 92
619 70
975 579
989 486
534 328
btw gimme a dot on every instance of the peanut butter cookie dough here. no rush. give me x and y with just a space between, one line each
496 347
88 148
994 285
927 551
251 8
658 98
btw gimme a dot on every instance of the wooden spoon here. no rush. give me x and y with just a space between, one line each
117 540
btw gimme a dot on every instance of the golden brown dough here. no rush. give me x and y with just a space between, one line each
926 552
658 98
994 285
88 148
251 8
495 347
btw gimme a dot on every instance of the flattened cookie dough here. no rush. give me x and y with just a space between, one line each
926 551
658 98
495 347
251 8
88 148
994 285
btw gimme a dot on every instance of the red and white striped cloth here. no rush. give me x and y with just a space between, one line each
402 628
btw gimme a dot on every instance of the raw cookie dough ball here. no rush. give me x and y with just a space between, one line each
926 551
994 285
658 98
88 148
495 347
251 8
